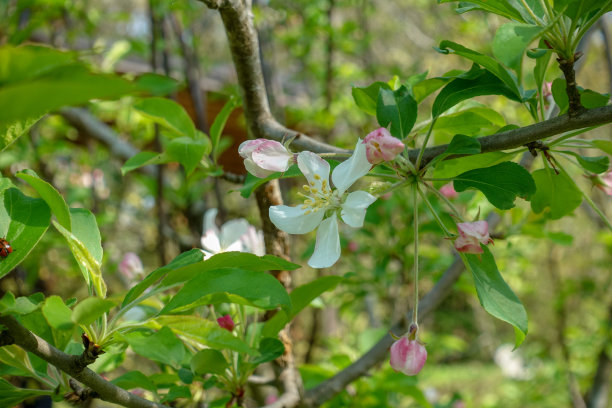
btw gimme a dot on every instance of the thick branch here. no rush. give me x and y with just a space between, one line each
518 137
107 391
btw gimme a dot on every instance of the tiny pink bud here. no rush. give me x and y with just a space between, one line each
271 399
448 191
547 90
226 322
408 356
353 246
471 235
604 183
381 146
130 266
263 157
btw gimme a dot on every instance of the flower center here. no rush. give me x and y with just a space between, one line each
319 196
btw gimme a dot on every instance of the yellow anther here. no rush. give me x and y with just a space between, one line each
317 177
314 190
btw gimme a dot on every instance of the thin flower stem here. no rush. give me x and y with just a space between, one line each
446 201
424 146
384 175
532 14
588 199
434 214
415 203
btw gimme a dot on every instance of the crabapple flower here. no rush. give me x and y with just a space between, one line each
408 356
322 204
381 146
234 235
226 322
263 157
448 191
604 183
471 235
131 266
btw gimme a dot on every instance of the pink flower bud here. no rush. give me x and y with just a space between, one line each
263 157
130 266
604 183
381 146
448 191
271 399
471 235
408 356
226 322
353 246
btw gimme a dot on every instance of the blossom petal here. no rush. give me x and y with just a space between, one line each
272 156
231 234
255 170
315 169
327 247
295 220
355 206
352 169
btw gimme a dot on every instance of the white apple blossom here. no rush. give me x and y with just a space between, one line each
234 235
322 204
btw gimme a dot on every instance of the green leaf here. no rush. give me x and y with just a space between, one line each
9 132
490 64
67 85
556 193
188 152
208 361
219 123
461 89
510 42
58 315
300 297
184 259
539 72
134 379
501 184
85 229
461 144
86 261
52 197
87 311
155 84
453 167
17 357
21 306
474 121
559 94
253 288
169 114
10 395
269 349
397 108
162 346
22 63
591 99
26 219
204 331
252 183
499 7
598 164
603 145
142 159
366 98
494 293
177 391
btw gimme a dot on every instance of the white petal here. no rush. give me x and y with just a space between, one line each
209 220
355 206
294 220
347 172
255 170
315 169
231 233
275 157
327 247
210 241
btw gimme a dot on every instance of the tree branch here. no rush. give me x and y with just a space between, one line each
107 391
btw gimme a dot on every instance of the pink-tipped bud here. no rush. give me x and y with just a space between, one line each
131 266
381 146
604 183
471 235
408 356
263 157
448 191
226 322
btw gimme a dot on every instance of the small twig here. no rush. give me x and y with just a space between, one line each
567 67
